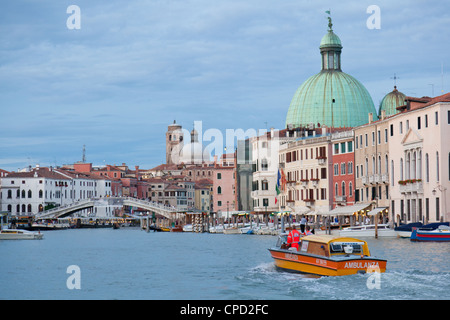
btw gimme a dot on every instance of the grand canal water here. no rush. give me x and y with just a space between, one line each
133 264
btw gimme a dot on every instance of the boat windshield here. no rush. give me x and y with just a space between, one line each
281 240
346 247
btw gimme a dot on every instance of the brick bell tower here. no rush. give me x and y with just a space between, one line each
174 141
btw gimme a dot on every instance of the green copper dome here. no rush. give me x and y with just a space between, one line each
331 97
391 101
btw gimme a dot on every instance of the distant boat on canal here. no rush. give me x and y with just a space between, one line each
442 233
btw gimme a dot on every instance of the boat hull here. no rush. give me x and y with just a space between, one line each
318 265
418 235
20 235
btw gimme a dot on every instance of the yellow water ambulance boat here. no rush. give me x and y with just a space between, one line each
326 255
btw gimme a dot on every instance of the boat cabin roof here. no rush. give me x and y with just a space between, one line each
328 239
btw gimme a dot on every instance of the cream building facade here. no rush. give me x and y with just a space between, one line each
307 164
419 151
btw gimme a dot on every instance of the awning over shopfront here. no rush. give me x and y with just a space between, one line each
347 210
375 211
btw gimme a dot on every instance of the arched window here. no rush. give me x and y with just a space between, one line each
408 166
401 168
219 190
427 168
350 189
23 193
9 194
29 208
386 164
336 190
367 168
9 207
30 194
343 188
437 166
41 193
392 172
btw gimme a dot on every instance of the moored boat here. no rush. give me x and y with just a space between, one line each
442 233
232 230
405 230
19 234
368 230
326 255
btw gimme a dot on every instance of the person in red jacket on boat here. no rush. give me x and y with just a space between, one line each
293 238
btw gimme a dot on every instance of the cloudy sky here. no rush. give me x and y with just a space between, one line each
135 66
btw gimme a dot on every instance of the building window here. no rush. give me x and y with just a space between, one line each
264 165
437 209
336 169
392 172
265 185
401 127
350 189
219 203
350 168
437 166
419 124
392 130
219 190
426 121
427 168
343 188
436 118
219 175
350 146
343 165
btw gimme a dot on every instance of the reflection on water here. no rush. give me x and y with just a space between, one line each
132 264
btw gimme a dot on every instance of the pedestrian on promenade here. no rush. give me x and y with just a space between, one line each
303 222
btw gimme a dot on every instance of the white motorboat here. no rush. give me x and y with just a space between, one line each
216 229
232 230
19 234
368 230
188 228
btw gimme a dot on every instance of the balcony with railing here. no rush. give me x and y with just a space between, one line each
410 186
341 199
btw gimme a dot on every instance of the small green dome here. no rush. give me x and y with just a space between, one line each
391 101
330 40
331 97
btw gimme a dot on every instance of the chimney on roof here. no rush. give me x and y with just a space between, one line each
383 114
370 117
